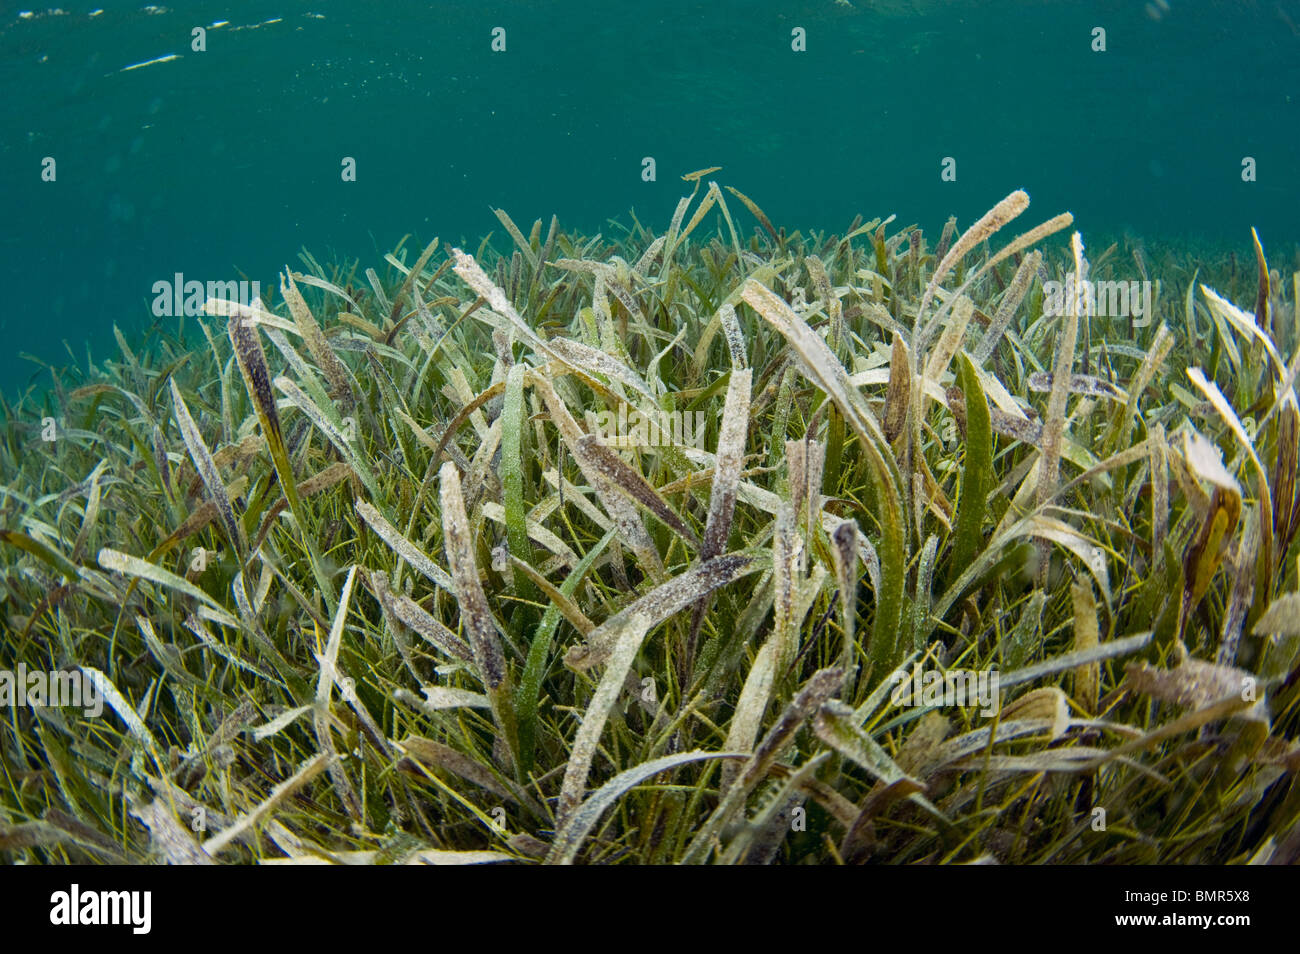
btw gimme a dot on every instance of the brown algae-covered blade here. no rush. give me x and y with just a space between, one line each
476 616
663 601
257 380
637 488
316 342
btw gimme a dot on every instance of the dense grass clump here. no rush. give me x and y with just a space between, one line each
628 550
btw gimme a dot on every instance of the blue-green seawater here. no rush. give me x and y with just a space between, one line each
227 162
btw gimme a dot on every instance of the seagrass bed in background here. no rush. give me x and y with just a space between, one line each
359 584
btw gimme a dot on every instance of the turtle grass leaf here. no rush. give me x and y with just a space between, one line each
729 459
1086 637
977 475
480 626
111 559
726 476
414 616
820 687
735 338
755 211
989 223
309 770
520 242
281 722
1192 683
581 357
636 487
1245 324
619 507
1282 618
1214 712
403 547
442 697
835 725
898 397
1011 300
751 706
1047 704
828 374
1202 559
41 551
1243 585
207 470
571 834
106 690
1078 758
254 314
316 341
36 834
1062 374
626 635
170 838
435 754
473 275
1015 246
475 614
321 421
1084 384
662 602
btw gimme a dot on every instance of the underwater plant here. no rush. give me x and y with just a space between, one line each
359 581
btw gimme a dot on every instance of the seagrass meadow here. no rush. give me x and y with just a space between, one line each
358 583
